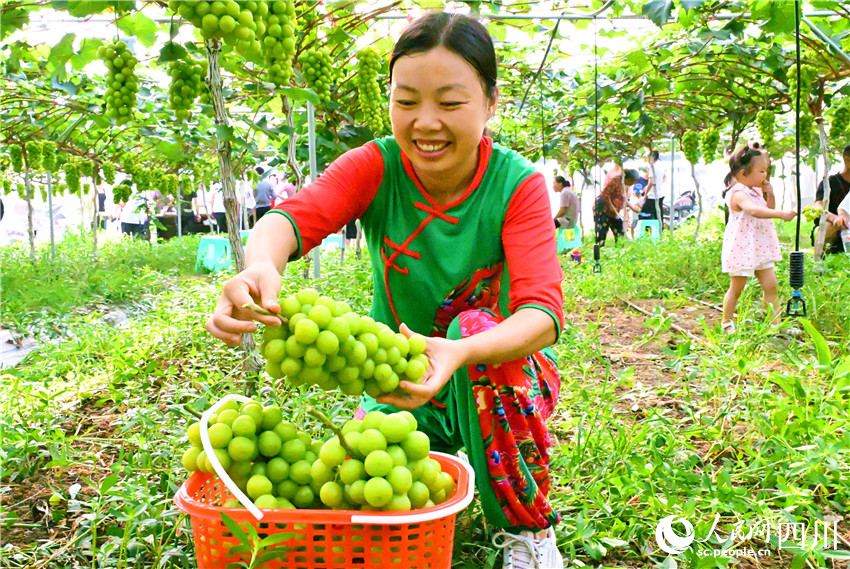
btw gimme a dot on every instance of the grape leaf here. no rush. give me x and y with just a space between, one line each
140 26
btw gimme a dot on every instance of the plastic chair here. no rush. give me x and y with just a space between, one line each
213 254
651 227
332 241
563 244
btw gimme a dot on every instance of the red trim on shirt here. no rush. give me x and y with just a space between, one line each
343 192
529 243
485 149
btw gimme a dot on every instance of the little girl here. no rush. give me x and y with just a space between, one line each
750 244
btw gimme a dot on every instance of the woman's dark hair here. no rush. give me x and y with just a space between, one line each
457 33
630 177
563 181
741 161
654 154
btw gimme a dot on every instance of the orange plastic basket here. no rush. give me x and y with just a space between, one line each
330 539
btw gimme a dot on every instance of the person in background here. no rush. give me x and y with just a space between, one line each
568 204
133 216
606 209
839 188
635 204
284 192
263 194
446 213
750 244
217 208
653 200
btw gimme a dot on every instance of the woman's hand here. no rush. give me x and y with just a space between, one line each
259 283
444 358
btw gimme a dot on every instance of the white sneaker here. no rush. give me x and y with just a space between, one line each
526 551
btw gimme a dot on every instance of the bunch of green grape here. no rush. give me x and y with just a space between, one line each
808 76
368 88
690 146
48 155
71 168
237 23
7 186
187 80
34 154
838 129
326 344
573 167
812 213
87 168
16 156
142 178
122 83
765 123
279 40
169 184
108 170
708 143
318 71
121 192
806 127
383 463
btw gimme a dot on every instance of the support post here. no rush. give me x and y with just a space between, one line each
311 142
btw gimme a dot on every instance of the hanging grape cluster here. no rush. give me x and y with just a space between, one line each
122 83
279 40
169 184
808 76
368 88
838 129
765 123
573 167
318 71
48 155
806 127
237 23
16 155
108 170
690 146
121 192
187 81
708 143
33 155
71 168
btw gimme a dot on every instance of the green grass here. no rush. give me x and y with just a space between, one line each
748 427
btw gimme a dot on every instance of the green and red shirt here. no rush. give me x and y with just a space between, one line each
493 247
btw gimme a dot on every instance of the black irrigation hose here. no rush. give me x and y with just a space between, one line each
796 305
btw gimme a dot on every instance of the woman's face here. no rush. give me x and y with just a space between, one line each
438 110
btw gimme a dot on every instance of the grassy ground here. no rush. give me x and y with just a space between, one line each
660 414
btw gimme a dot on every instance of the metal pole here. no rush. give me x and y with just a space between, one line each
311 141
179 219
672 194
50 214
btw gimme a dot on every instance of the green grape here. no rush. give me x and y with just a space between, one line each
87 168
108 169
16 155
369 89
279 40
708 144
573 167
122 83
187 78
238 24
838 129
765 121
34 153
71 168
690 146
48 155
806 128
808 77
318 71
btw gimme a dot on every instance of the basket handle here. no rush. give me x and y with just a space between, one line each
222 474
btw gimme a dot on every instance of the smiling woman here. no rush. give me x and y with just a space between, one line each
463 253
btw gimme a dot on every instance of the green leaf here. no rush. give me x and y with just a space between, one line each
11 20
86 54
171 52
108 483
658 11
224 132
275 553
140 26
692 4
836 554
297 94
66 86
60 54
171 150
276 538
81 8
822 348
234 528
